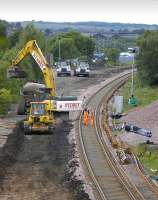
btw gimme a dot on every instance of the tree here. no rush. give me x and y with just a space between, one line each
68 49
31 33
4 43
3 28
14 37
84 44
147 60
5 100
73 44
112 54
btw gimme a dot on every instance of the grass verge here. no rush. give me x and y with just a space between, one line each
144 94
147 154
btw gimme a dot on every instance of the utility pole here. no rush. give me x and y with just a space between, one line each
59 49
132 83
133 101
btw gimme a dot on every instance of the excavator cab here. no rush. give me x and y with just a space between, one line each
38 109
16 72
40 119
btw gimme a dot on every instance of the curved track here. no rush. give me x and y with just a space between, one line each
109 180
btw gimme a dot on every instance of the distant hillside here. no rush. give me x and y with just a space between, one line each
89 26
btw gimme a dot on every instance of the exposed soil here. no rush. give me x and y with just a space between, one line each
34 166
38 167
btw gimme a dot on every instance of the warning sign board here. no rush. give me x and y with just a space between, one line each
68 105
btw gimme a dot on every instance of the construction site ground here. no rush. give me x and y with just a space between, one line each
38 166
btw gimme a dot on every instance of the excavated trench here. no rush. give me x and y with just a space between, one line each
34 167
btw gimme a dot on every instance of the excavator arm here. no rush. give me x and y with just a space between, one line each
32 48
58 103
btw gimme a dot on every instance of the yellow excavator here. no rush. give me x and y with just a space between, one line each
40 112
32 48
40 117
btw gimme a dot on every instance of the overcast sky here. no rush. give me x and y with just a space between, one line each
128 11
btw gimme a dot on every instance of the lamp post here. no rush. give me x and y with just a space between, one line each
132 83
133 100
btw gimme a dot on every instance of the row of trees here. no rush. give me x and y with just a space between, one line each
73 44
147 61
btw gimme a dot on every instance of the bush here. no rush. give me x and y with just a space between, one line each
5 100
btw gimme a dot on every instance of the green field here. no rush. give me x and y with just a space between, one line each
144 94
148 157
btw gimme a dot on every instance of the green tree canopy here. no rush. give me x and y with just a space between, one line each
27 34
4 43
73 44
112 54
5 100
148 58
16 41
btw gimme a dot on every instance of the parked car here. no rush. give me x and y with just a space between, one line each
137 130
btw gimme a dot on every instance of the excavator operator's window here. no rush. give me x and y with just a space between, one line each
38 109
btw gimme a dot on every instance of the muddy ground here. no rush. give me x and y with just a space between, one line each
36 166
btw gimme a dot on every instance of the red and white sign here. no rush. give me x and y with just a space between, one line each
69 105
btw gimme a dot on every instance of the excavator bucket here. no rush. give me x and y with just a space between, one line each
16 72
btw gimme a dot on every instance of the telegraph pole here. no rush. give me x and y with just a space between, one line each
59 49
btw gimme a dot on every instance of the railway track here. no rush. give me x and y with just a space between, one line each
110 182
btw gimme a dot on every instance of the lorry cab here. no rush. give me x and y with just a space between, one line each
63 68
82 69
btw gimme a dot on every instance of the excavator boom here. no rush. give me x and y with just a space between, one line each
32 48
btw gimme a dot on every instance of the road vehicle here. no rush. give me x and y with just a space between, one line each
39 96
82 69
63 68
99 58
137 130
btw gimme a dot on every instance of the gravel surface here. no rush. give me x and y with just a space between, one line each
146 117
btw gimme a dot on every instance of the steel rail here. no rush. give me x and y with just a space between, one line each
121 192
129 188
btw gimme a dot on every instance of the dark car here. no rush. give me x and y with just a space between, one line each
137 130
